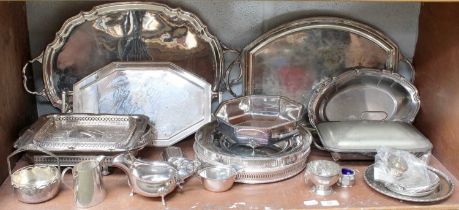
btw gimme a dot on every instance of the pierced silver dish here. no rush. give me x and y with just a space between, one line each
259 120
77 137
443 191
364 94
127 31
293 58
177 102
265 164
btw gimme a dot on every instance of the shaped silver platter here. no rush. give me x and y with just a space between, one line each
127 31
443 191
265 164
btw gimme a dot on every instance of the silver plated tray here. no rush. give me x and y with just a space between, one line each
259 120
364 94
256 165
443 191
127 31
176 101
87 133
292 58
354 140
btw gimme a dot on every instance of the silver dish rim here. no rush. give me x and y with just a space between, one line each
324 86
379 187
66 29
362 29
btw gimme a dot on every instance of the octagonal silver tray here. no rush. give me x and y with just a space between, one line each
176 101
127 31
443 191
256 165
291 59
364 94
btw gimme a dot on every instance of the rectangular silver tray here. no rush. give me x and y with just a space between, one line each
87 133
356 140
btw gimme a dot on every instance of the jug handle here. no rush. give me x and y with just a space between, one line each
63 174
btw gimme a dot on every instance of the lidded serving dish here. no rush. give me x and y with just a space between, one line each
264 164
258 120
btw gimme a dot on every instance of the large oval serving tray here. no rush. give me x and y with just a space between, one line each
443 191
292 58
256 165
364 94
176 101
128 31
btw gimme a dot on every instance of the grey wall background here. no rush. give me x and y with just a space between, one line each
236 23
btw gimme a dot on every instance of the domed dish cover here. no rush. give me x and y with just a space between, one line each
127 31
259 120
291 59
364 94
272 165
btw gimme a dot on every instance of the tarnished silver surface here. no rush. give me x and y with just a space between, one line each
128 31
176 101
259 120
255 165
148 178
362 138
364 94
80 133
443 191
292 58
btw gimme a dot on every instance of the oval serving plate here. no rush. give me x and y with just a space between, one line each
128 31
292 58
443 191
364 94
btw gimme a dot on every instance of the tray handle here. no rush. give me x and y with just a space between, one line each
24 77
31 147
228 69
412 71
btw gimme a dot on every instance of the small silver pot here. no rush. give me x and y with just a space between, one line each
323 174
218 178
35 183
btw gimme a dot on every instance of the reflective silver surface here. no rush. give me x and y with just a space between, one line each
364 94
129 31
80 133
362 138
258 120
347 177
443 191
176 101
416 191
323 174
217 178
255 165
88 187
148 178
35 183
292 58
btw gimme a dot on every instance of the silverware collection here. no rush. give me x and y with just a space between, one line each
146 75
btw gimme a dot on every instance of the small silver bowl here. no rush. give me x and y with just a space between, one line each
217 178
323 174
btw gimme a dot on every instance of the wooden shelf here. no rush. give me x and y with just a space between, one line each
289 194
